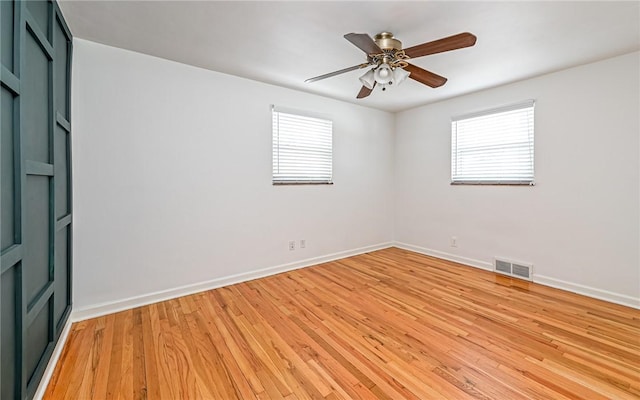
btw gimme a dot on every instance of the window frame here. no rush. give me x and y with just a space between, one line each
303 114
522 105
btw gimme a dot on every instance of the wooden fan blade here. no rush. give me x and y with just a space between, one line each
424 76
363 42
364 92
342 71
454 42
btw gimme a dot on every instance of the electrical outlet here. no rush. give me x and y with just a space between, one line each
303 243
292 245
454 241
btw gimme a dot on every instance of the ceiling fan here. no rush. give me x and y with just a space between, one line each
389 60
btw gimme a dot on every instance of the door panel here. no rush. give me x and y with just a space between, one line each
35 101
36 236
8 168
9 375
6 34
62 264
38 338
62 170
40 10
62 72
35 201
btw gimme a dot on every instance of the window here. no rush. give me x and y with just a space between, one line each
493 146
302 148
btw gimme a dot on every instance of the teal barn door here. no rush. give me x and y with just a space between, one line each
35 203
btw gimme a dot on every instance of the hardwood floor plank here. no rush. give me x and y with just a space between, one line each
162 344
88 378
390 324
71 381
120 363
139 375
150 362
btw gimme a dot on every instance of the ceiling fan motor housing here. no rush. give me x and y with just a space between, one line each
386 41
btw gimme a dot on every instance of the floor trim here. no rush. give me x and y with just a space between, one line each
98 310
588 291
53 361
540 279
445 256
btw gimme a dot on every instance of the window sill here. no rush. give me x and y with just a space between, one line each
494 183
300 183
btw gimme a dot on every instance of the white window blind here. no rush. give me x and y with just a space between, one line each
494 146
302 148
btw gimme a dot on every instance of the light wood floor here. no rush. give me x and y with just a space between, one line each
390 324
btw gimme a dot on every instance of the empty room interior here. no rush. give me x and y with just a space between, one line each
320 200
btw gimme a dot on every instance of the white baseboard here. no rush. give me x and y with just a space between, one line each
540 279
98 310
51 366
445 256
599 294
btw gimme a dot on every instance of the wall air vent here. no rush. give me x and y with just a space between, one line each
503 266
514 269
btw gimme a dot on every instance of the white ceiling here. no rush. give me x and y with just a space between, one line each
283 43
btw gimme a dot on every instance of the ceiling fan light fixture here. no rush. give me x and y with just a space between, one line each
400 75
383 74
368 79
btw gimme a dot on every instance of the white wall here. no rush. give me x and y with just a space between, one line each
172 178
579 225
172 183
